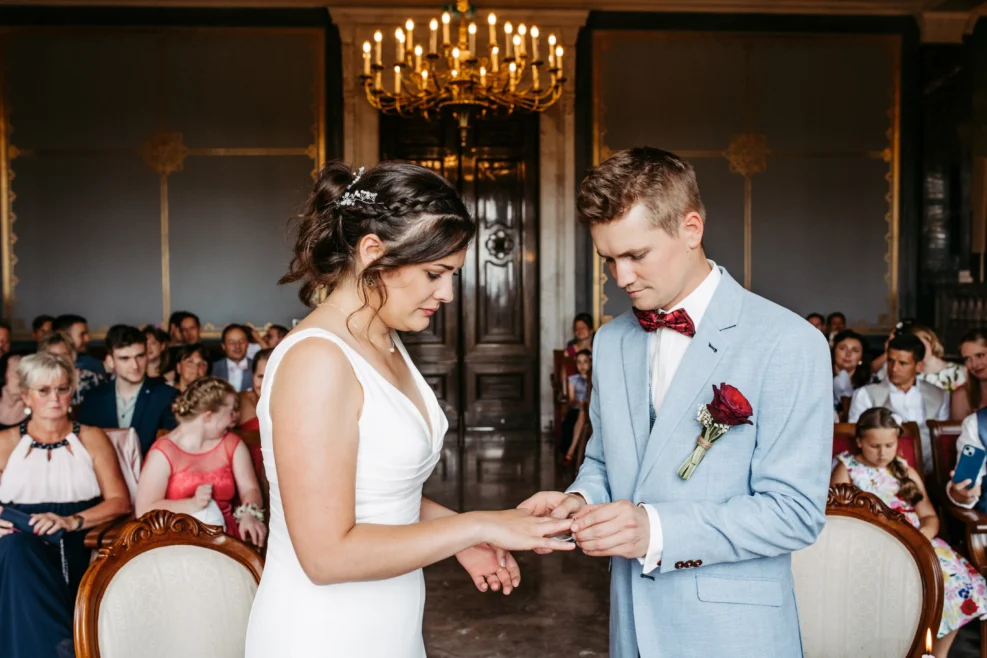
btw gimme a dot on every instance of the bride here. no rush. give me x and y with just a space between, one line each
350 430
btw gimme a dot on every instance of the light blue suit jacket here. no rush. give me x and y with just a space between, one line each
724 587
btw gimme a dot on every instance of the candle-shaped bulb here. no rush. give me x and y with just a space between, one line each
433 24
534 43
483 76
493 59
445 27
551 40
455 54
513 75
455 60
409 25
366 58
472 28
558 57
366 46
418 57
534 31
397 80
418 50
445 18
492 19
424 79
513 68
517 41
472 40
399 35
378 37
508 28
522 30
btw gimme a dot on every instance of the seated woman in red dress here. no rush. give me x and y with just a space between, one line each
200 466
248 399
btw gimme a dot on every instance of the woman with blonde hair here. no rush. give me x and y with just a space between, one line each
59 478
60 343
201 468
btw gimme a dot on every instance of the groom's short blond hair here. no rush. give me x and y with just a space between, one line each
662 181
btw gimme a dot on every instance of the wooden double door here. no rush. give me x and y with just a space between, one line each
482 349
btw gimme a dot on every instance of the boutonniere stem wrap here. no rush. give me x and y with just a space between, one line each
729 408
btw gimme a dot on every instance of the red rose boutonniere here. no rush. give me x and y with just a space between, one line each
729 408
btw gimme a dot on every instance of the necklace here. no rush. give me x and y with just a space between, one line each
390 350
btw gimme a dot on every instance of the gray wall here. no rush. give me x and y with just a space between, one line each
91 207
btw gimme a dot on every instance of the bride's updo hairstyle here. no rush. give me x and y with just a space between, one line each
415 212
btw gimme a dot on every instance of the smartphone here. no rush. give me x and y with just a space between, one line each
22 522
969 465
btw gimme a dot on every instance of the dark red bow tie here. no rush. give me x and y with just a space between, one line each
678 320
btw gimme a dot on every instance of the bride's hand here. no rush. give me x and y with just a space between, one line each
519 530
491 568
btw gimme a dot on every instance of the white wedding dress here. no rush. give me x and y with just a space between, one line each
291 616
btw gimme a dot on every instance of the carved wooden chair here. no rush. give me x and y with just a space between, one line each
167 586
909 445
866 546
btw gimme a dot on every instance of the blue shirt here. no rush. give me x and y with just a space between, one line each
580 387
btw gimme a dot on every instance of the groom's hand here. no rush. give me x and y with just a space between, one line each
556 504
618 529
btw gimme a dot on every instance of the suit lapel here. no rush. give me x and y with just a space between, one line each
708 346
143 397
635 352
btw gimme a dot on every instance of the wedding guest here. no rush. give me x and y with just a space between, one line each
935 370
191 328
201 461
248 399
879 470
6 338
190 364
60 344
41 326
835 323
77 329
578 395
970 397
817 320
582 339
175 327
913 400
235 367
275 334
157 351
67 477
131 399
12 409
968 493
851 368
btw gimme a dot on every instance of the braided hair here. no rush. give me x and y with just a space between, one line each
882 418
202 395
415 212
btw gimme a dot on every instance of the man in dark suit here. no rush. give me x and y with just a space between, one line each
132 399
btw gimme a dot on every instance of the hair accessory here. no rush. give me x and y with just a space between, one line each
362 196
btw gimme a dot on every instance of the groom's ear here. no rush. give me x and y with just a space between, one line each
692 229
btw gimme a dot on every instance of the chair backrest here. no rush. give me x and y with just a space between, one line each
909 445
871 585
168 586
128 446
943 436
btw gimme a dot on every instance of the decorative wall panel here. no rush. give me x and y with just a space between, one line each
159 167
795 143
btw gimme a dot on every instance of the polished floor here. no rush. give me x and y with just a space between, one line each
561 608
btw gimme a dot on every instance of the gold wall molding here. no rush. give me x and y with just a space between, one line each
163 152
748 153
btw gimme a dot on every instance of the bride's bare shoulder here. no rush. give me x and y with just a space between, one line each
316 359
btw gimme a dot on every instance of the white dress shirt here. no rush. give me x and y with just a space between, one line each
236 371
910 406
666 347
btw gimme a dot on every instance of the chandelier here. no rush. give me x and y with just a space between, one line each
461 78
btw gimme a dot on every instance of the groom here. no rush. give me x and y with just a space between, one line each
699 567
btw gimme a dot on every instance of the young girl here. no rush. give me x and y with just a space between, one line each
878 470
577 416
201 463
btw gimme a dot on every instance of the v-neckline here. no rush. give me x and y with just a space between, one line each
415 376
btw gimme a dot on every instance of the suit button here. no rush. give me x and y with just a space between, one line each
679 565
699 563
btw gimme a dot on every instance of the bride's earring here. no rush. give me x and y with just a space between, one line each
27 411
369 280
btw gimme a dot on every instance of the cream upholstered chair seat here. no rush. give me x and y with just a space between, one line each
168 586
870 586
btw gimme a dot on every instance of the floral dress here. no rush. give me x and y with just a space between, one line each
966 591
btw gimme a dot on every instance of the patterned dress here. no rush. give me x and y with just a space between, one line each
966 591
948 379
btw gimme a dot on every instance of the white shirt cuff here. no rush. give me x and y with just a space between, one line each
969 505
656 544
581 493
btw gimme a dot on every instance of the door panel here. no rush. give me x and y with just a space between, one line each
496 309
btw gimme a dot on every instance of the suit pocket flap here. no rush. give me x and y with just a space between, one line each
749 591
